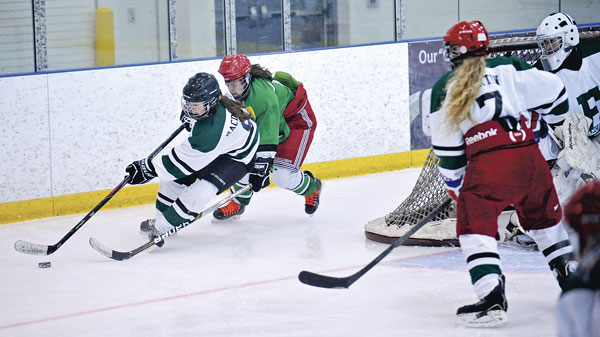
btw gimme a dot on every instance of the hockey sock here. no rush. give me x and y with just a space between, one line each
244 198
483 261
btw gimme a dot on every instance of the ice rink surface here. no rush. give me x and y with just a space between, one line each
240 278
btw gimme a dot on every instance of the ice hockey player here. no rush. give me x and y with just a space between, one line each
219 151
577 63
578 310
287 124
482 132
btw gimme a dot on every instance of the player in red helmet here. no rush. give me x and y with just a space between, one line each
286 122
482 123
579 306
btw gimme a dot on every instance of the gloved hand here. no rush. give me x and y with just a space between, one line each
187 121
141 171
259 175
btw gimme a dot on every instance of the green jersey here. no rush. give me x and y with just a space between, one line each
268 100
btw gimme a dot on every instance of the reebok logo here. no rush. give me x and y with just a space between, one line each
481 136
556 207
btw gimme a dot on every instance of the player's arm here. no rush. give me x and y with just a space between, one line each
447 145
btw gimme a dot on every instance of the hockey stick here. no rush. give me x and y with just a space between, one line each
37 249
120 256
325 281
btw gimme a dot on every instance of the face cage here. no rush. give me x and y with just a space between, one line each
193 109
244 82
550 45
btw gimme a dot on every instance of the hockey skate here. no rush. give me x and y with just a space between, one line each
147 225
489 311
154 233
311 203
230 212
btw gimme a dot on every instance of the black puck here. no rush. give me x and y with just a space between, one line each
44 264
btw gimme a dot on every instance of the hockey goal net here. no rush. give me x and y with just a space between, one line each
429 191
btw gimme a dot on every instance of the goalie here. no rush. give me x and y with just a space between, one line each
577 63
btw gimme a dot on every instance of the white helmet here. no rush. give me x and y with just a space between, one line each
556 36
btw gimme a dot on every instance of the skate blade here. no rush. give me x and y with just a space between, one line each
230 219
491 319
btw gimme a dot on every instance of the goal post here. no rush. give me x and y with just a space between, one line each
429 191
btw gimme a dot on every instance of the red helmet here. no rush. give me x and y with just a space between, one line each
583 212
234 67
466 39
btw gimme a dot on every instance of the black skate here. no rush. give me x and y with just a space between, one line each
563 267
311 203
147 225
154 233
489 311
231 211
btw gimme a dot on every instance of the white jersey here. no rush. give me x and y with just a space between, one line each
221 134
580 73
510 88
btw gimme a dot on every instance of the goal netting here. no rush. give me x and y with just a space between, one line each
429 191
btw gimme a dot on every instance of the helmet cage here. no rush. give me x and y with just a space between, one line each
239 88
556 36
195 110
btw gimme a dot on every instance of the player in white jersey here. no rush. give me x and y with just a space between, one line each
577 63
219 152
578 310
483 116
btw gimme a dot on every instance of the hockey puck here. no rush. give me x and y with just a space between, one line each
44 264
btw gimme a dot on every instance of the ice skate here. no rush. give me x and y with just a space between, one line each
147 225
311 203
489 311
230 212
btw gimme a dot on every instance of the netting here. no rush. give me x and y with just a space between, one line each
429 190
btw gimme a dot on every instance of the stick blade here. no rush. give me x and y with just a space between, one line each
323 281
33 248
104 250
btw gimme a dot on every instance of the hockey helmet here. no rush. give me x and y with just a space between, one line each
466 39
556 36
583 214
200 96
236 72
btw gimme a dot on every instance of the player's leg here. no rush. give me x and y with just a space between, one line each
540 214
480 202
234 209
291 154
215 178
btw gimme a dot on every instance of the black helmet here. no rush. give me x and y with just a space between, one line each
200 96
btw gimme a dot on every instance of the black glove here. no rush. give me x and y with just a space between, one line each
259 175
187 121
141 171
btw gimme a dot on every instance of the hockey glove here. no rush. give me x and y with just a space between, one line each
141 171
259 175
187 121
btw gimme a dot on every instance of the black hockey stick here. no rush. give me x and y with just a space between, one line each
37 249
324 281
120 256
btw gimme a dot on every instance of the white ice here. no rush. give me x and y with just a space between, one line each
240 278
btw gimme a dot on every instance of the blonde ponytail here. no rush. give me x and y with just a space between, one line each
462 89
